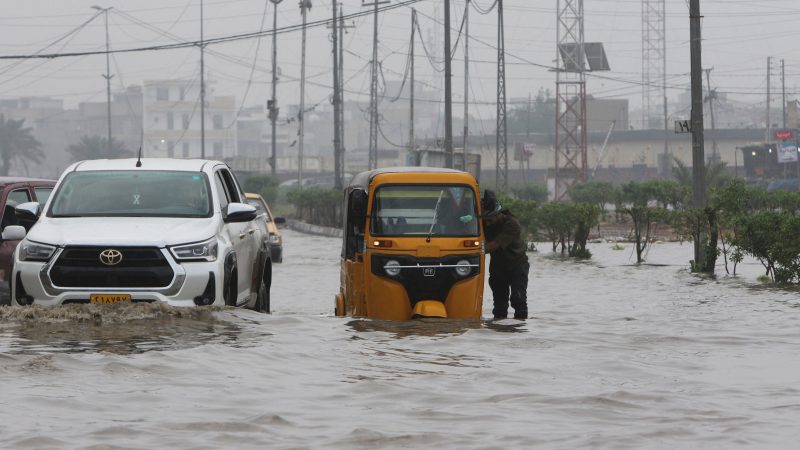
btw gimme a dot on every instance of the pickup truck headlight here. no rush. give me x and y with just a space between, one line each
198 251
34 251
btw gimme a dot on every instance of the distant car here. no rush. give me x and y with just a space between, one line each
157 230
788 184
15 191
275 238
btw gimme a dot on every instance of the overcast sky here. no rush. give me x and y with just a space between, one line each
738 36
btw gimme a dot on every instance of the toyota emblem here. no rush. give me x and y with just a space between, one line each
110 257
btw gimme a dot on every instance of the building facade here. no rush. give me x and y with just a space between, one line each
171 121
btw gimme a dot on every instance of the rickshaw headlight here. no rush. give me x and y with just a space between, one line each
464 267
392 268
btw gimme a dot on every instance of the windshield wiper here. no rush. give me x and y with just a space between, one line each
435 216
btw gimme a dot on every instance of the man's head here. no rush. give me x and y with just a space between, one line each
491 207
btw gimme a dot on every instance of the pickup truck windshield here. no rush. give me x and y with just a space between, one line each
424 210
137 193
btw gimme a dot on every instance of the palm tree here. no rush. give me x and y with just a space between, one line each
715 173
17 142
96 147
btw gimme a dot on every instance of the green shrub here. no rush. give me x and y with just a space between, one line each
320 206
265 185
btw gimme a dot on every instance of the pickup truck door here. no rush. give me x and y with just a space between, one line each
241 236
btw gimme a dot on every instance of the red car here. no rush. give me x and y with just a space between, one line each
15 191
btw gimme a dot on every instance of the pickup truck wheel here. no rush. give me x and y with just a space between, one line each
263 300
262 303
229 288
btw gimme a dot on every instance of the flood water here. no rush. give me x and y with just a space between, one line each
614 356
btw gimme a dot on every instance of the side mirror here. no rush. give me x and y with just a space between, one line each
239 212
28 211
279 220
358 204
13 233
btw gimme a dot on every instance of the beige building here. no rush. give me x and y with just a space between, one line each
171 121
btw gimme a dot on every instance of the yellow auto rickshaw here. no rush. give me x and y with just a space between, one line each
413 245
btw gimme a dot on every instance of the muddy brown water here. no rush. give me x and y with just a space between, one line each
614 356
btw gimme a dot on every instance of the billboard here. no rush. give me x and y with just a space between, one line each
787 153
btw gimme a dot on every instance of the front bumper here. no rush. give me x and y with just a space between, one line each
190 280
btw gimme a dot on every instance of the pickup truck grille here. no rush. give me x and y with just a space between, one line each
140 267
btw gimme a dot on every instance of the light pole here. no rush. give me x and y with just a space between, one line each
108 77
272 105
305 5
202 88
448 90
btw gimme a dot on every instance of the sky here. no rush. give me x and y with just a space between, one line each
738 36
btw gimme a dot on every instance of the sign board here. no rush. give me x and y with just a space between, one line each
683 126
784 134
523 152
787 153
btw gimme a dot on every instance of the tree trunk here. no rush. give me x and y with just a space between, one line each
713 235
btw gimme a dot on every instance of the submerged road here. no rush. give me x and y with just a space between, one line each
614 356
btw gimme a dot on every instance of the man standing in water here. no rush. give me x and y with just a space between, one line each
508 269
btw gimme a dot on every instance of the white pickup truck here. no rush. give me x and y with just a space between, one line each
150 230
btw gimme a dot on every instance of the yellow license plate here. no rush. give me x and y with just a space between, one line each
109 298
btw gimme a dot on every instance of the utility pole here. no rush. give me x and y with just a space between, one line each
667 160
528 118
698 157
373 89
783 103
783 92
305 5
654 71
202 88
337 170
571 158
501 170
337 27
272 105
768 137
712 95
448 89
342 146
108 77
411 138
466 83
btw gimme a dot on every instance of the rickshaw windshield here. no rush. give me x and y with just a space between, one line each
424 210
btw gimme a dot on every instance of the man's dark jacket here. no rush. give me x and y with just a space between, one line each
511 248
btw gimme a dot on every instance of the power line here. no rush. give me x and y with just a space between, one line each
484 11
211 41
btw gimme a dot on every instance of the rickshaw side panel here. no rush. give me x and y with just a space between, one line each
354 295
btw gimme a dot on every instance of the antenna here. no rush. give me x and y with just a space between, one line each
141 144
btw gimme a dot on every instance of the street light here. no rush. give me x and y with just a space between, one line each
107 76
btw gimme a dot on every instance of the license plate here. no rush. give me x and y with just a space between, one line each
109 298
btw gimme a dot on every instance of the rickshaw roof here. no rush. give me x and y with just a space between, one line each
364 179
